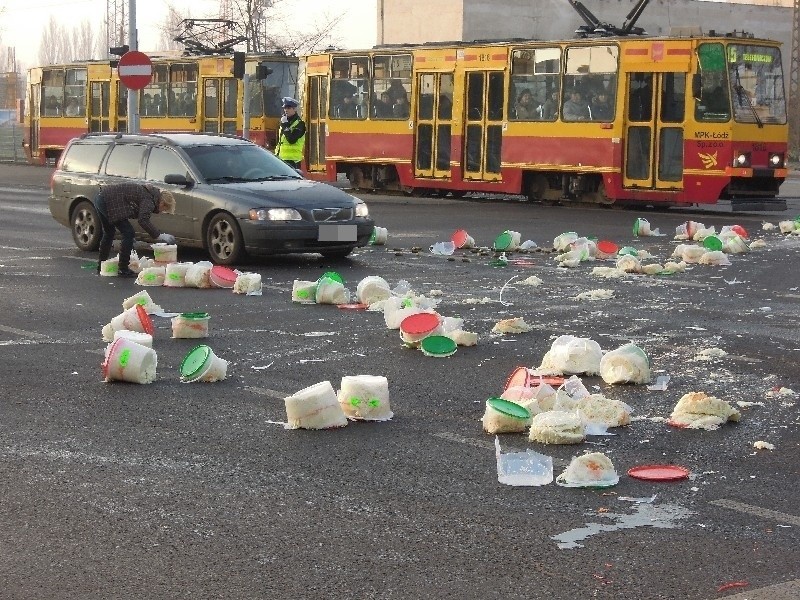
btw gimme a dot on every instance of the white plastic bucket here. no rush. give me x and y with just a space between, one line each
165 253
175 275
202 365
133 319
190 325
379 236
143 339
151 276
128 361
110 267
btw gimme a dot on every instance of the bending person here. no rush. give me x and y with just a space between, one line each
116 204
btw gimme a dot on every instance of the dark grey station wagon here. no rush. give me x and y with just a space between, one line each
232 197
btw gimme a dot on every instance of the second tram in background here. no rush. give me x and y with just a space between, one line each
187 93
646 120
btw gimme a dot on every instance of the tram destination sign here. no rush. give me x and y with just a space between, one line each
135 70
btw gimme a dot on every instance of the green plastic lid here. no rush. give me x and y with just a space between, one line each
712 242
438 345
194 362
508 408
332 275
630 250
503 241
195 315
373 235
636 224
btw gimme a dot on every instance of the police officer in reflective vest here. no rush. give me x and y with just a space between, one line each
292 135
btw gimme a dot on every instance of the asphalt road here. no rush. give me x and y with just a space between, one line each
175 490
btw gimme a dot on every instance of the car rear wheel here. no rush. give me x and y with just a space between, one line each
86 227
224 240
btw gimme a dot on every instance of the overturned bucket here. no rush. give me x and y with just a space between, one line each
126 360
201 364
133 319
190 325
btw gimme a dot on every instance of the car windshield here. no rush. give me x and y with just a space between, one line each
238 163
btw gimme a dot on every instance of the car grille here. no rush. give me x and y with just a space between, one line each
331 215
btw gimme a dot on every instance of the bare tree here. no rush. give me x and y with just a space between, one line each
83 45
54 47
170 27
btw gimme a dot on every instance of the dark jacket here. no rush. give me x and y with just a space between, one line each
293 134
125 201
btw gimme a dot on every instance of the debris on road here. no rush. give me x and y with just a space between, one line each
697 410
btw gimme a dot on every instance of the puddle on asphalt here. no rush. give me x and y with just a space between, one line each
662 516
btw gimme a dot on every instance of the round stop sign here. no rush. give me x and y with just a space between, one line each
135 70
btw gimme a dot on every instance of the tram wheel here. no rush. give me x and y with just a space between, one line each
537 188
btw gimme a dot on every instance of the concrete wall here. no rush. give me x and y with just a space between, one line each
419 21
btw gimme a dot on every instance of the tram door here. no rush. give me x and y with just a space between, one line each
316 125
483 125
34 108
122 108
220 95
434 124
654 126
99 103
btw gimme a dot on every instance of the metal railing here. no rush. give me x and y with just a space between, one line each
11 142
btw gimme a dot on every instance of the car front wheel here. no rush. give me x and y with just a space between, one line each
224 240
86 227
334 254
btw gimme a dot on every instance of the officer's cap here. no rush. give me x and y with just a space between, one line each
290 103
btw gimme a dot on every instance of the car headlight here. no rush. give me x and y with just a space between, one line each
742 160
275 214
776 160
361 209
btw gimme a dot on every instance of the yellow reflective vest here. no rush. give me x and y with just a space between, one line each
287 150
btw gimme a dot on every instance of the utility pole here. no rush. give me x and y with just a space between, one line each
793 107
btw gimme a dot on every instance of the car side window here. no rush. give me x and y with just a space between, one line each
84 158
162 162
125 160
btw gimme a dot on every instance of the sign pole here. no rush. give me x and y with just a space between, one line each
133 95
246 106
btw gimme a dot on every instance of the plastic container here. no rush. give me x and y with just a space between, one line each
144 339
379 236
223 277
462 239
606 249
165 253
443 248
438 346
506 241
152 276
304 292
332 275
523 468
202 365
126 360
372 289
415 328
629 250
109 268
365 397
175 275
190 325
133 319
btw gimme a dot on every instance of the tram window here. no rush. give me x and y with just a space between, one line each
640 101
280 83
535 74
230 87
670 154
475 96
714 103
257 90
125 160
75 92
391 86
122 100
349 88
590 83
756 82
182 94
673 92
426 93
53 92
153 101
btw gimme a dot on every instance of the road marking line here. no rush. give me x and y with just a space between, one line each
757 511
26 334
267 392
782 591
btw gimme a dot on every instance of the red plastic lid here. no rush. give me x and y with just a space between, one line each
354 306
107 359
520 377
740 231
607 247
420 323
459 238
224 274
659 472
147 322
552 380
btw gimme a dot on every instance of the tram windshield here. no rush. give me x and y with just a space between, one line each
756 84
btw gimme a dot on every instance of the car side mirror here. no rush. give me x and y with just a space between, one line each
177 179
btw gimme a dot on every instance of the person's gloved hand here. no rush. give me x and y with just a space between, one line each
284 120
166 238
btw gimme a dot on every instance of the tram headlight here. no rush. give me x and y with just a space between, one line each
742 160
776 160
